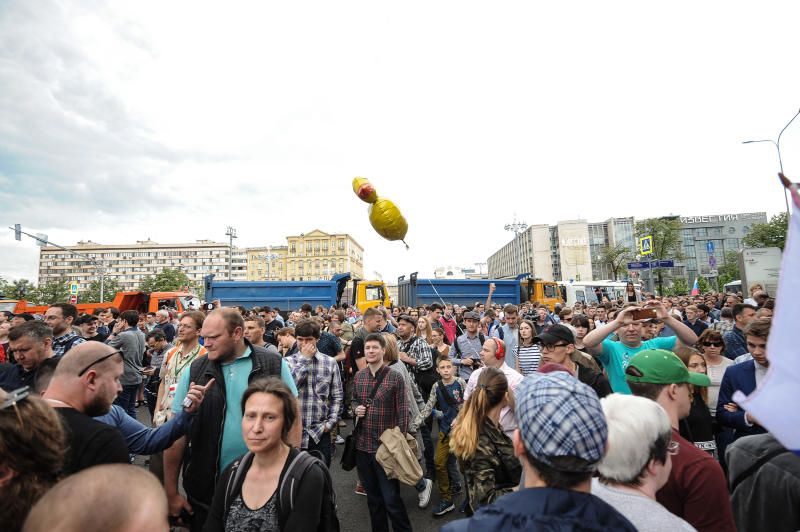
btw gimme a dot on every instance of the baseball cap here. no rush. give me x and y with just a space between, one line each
555 333
86 318
560 416
659 366
472 316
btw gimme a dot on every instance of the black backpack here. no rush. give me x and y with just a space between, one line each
287 489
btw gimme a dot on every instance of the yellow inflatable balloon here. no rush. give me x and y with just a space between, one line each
364 190
385 217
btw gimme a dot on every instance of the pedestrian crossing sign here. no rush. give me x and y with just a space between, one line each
646 245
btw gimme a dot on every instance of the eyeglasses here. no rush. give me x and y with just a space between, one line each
106 357
551 347
713 344
673 447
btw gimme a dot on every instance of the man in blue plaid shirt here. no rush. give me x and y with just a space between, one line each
320 389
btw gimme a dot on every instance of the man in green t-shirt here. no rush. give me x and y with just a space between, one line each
615 355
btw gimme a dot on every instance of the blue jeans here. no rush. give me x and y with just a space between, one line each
383 495
323 447
427 453
127 399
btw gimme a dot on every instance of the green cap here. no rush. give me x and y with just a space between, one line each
659 366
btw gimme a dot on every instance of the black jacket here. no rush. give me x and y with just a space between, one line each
310 492
201 459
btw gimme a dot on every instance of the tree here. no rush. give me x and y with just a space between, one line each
729 270
92 294
680 287
615 258
21 289
5 288
53 291
667 241
167 280
769 235
703 285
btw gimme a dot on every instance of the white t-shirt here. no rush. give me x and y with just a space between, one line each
507 420
715 373
645 514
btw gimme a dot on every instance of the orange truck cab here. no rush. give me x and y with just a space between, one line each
140 301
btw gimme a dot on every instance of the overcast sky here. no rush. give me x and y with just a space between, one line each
121 121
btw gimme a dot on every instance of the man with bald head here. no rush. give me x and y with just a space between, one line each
84 385
107 497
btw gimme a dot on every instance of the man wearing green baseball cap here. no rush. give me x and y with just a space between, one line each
696 490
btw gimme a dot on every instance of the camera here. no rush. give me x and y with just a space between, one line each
208 306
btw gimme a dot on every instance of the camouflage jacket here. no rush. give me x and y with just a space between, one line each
493 470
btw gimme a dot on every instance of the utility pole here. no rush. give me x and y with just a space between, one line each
517 228
231 234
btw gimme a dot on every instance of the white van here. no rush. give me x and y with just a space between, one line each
587 291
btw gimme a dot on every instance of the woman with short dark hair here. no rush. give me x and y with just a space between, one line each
248 492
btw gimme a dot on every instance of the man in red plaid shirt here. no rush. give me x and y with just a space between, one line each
388 408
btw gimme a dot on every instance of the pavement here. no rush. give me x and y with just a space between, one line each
351 508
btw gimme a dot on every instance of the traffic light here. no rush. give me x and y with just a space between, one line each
18 231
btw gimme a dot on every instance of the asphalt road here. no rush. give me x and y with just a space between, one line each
352 508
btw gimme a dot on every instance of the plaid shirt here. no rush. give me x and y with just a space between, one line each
722 326
389 408
65 342
419 350
320 393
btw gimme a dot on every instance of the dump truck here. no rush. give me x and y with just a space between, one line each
290 295
414 292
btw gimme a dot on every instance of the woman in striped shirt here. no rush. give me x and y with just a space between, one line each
527 353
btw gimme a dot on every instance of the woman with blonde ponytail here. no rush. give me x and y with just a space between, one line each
485 453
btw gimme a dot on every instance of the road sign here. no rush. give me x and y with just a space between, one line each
73 289
17 231
646 245
713 273
73 299
643 265
712 261
710 246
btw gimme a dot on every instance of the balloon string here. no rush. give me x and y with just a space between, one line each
404 242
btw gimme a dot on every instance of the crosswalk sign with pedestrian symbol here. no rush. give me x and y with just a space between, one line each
646 245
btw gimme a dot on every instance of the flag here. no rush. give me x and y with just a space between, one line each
695 288
773 404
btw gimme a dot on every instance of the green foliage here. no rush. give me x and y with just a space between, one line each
616 258
5 289
679 287
167 280
53 291
703 285
769 235
92 294
21 289
729 270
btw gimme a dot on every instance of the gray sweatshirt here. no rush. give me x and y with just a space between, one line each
132 344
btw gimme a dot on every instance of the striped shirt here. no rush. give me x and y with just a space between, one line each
528 357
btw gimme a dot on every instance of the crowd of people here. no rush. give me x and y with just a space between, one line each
614 415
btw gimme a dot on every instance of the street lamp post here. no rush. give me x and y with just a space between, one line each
517 228
97 264
231 234
777 145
